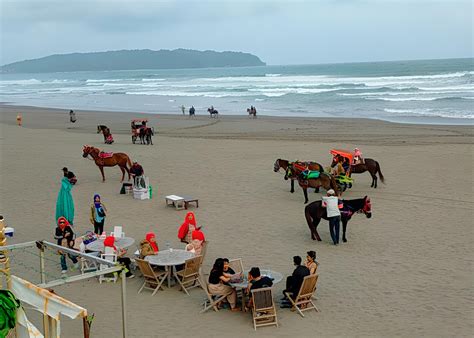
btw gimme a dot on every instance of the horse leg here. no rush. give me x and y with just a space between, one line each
344 227
305 192
292 183
102 172
315 224
123 173
374 181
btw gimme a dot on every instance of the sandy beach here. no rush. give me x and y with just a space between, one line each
407 271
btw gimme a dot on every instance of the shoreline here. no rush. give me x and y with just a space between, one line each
407 120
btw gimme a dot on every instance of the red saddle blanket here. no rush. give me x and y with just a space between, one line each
103 154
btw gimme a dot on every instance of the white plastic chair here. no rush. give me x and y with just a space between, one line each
86 265
118 233
110 256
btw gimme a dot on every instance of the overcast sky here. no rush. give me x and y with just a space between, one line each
279 32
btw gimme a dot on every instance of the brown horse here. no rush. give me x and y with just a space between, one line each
120 159
324 180
283 164
314 212
104 130
370 165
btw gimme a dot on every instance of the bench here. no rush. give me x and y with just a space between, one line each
181 202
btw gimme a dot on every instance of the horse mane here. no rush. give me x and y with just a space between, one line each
355 204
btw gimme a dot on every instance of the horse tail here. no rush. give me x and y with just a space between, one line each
307 215
321 168
129 162
380 172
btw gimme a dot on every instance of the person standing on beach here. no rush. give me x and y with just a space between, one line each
65 237
332 205
183 109
97 216
19 120
72 116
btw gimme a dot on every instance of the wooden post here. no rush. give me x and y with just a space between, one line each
124 304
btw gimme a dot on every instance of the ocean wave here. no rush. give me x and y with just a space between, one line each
20 82
417 98
152 79
430 112
272 75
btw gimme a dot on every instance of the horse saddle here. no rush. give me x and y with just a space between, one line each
103 154
308 174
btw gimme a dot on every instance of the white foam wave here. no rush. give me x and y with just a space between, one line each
430 112
272 75
20 82
404 99
152 80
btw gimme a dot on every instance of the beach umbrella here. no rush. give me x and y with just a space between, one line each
65 203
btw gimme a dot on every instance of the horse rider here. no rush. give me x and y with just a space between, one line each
358 156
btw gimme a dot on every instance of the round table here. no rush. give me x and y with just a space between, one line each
169 258
120 243
275 276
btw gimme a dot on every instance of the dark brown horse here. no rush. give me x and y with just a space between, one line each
283 164
370 165
145 135
315 211
324 180
104 130
120 159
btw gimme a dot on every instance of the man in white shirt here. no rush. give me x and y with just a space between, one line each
332 205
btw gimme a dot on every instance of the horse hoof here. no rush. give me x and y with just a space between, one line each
344 240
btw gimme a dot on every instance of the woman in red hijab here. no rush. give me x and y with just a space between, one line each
148 246
65 237
110 242
186 229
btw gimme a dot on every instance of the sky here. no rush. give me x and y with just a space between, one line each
279 32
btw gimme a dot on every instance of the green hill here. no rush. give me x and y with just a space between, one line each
133 59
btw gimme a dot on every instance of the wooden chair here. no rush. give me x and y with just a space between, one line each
212 301
188 278
263 308
303 301
111 257
151 277
204 249
236 265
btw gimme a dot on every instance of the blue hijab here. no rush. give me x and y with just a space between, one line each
97 204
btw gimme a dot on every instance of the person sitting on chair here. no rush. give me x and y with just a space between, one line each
217 284
310 262
110 242
148 246
256 281
137 172
293 282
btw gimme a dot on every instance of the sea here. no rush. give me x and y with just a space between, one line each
422 91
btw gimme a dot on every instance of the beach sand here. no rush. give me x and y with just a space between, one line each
407 271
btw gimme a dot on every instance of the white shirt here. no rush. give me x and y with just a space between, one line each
332 205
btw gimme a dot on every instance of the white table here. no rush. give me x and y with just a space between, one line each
176 201
169 259
120 243
275 276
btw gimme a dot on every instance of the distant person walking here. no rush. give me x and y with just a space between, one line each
192 111
19 120
183 109
72 116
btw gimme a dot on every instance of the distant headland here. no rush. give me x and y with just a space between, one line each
133 60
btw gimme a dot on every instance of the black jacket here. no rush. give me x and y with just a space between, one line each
299 274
